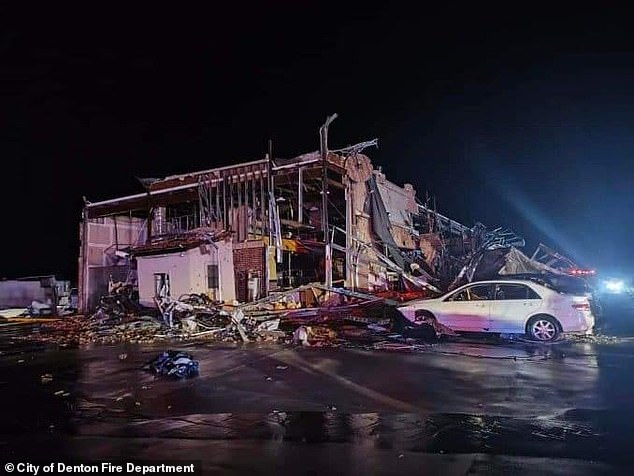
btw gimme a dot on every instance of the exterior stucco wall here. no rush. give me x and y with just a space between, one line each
175 265
188 272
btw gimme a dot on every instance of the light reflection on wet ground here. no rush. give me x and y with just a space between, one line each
572 399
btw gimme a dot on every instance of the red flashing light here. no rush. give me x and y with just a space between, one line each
582 272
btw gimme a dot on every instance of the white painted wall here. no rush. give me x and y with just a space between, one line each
226 270
188 272
173 264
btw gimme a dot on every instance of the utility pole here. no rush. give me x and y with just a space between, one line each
323 133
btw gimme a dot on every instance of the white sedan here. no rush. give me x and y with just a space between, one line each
505 307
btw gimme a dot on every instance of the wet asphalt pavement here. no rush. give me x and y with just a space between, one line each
472 405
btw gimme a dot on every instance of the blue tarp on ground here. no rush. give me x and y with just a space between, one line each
174 364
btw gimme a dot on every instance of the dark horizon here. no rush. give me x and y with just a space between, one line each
517 120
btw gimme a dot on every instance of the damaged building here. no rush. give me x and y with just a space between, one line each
243 231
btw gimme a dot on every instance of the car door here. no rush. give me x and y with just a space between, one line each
467 309
512 304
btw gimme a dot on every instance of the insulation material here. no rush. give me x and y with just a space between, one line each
272 264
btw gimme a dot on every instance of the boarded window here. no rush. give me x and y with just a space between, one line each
212 276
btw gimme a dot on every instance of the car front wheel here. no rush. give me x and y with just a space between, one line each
543 329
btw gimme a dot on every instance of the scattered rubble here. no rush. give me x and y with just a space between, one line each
597 338
310 315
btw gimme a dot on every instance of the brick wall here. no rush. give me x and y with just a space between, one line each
245 259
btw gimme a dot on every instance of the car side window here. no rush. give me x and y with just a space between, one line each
507 292
460 296
479 292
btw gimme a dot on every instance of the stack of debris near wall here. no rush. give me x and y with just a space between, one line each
310 315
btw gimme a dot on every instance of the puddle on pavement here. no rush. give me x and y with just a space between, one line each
584 434
572 435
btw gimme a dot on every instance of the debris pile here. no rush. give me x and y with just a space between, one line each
310 315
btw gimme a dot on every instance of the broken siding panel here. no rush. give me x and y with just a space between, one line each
397 200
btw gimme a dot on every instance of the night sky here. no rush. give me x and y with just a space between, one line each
519 118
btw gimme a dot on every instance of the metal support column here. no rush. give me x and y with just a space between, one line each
323 132
300 195
350 284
